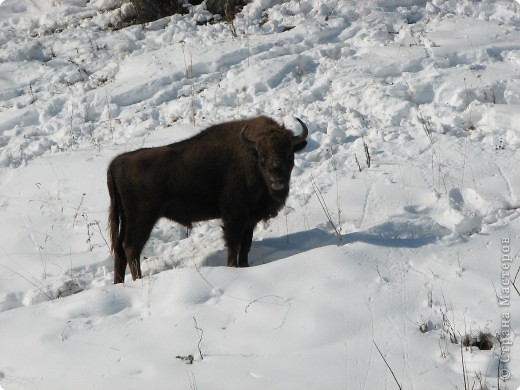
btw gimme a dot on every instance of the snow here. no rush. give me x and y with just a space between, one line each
425 240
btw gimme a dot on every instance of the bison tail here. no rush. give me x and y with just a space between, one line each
115 218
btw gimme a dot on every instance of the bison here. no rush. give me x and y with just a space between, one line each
237 171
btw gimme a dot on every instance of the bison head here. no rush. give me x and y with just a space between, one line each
275 152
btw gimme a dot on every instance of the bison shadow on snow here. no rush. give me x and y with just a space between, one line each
277 248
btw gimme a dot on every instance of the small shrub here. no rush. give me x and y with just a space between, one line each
483 341
150 10
225 8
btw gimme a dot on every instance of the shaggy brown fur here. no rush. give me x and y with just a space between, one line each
237 171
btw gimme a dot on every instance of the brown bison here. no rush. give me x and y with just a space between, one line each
237 171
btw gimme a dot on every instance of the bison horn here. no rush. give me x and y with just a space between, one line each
245 141
296 139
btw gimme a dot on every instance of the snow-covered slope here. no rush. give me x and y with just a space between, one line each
401 231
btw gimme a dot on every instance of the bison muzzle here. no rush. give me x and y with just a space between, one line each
237 171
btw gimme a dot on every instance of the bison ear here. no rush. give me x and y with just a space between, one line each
299 146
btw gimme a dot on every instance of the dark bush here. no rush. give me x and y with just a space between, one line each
225 8
150 10
483 341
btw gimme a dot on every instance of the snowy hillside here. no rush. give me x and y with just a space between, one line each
401 233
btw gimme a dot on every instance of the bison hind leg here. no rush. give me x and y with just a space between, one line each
119 264
136 236
134 255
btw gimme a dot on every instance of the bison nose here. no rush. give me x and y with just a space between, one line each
278 183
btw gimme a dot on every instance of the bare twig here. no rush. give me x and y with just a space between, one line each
266 296
323 204
427 127
96 223
80 69
514 285
229 17
189 75
111 128
463 366
77 209
367 153
33 98
390 368
34 239
200 332
467 93
331 11
203 277
357 161
47 294
338 198
516 276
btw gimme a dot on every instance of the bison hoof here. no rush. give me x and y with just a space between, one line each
239 265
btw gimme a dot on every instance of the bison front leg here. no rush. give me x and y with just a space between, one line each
238 241
233 233
245 246
233 245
